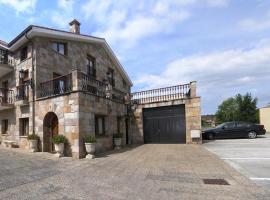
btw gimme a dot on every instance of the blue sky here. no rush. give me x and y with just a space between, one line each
222 44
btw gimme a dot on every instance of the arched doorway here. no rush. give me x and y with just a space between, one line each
50 129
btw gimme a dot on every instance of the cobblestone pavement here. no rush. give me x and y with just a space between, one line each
143 172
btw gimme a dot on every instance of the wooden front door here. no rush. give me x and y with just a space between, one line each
54 129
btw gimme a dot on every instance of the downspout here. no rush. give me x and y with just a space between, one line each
32 84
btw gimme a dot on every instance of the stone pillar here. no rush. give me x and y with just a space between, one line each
193 89
76 80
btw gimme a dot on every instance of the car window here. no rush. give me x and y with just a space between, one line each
242 124
229 125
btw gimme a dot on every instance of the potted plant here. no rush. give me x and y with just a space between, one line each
90 146
33 141
117 140
59 143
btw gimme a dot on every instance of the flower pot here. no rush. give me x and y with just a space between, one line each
33 145
90 150
59 148
117 143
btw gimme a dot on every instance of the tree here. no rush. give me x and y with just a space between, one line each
238 108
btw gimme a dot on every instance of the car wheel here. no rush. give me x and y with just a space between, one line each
252 135
210 136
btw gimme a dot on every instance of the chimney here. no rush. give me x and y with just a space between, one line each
75 26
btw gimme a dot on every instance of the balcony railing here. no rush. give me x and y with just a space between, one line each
3 57
6 96
162 94
22 93
58 86
91 85
82 82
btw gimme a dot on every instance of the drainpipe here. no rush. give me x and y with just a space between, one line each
32 84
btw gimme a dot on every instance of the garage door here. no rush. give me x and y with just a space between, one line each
164 124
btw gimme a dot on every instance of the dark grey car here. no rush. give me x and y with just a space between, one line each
234 130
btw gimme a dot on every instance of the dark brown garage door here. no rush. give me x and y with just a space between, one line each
164 124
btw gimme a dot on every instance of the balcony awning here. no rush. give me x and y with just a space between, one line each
5 69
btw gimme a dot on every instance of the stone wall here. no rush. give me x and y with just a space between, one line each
75 111
66 108
193 118
49 61
192 112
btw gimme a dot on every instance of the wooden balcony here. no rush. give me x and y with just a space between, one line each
6 99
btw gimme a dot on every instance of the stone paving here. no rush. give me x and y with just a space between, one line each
143 172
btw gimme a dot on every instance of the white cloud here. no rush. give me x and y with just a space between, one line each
63 15
20 5
221 66
256 24
219 74
130 21
66 5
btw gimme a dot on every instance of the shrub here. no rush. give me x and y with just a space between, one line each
118 135
32 137
90 139
58 139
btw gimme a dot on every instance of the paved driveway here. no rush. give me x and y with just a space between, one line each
249 157
145 172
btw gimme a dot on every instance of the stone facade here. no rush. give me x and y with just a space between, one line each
192 116
80 109
76 110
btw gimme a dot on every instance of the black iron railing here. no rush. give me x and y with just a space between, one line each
162 94
93 86
22 92
118 95
6 96
57 86
101 89
3 56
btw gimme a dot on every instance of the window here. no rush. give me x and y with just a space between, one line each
100 125
110 76
24 126
4 126
60 47
242 125
24 53
59 84
3 56
91 66
229 125
124 83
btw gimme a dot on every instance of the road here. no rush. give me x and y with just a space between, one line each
250 157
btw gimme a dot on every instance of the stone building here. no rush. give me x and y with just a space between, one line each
63 82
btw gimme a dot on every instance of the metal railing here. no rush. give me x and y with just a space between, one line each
118 95
6 96
3 57
101 89
162 94
86 83
90 85
22 92
57 86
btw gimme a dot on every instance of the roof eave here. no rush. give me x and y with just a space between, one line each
33 31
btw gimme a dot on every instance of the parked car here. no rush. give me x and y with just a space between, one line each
234 130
